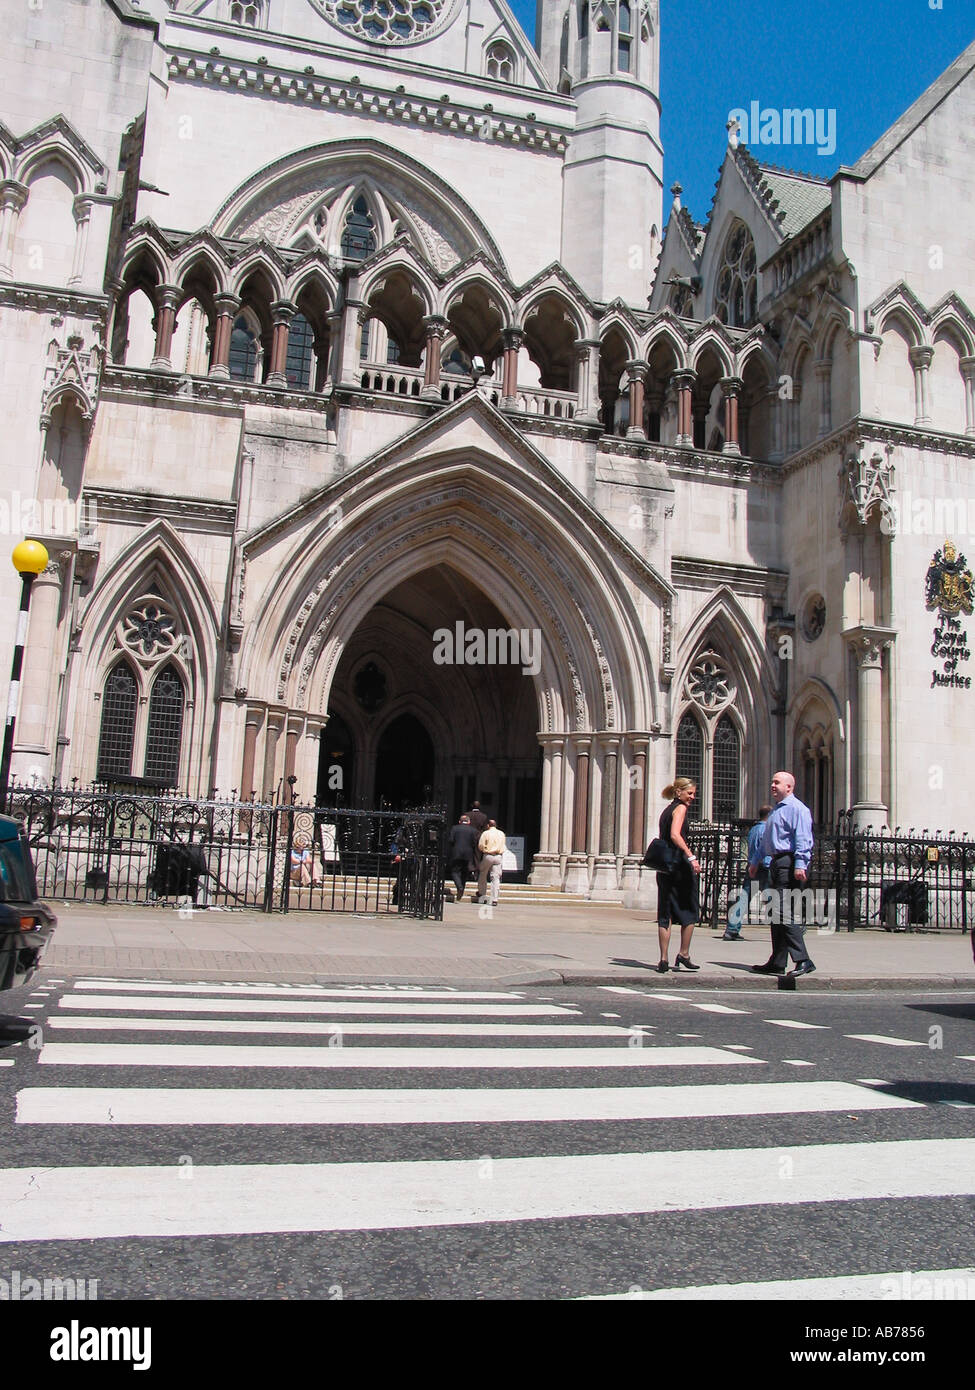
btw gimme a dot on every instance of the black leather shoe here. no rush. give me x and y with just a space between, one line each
805 967
662 968
731 936
768 969
685 963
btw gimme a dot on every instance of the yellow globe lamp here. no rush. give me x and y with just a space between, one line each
30 557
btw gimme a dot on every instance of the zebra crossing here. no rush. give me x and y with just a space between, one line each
567 1111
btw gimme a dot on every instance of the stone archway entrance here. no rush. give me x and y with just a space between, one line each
404 765
428 730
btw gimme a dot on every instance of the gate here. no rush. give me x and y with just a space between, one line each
100 846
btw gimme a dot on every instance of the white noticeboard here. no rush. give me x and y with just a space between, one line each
513 860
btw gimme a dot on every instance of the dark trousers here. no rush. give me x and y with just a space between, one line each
787 934
460 872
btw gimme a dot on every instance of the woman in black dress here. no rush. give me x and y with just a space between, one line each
677 890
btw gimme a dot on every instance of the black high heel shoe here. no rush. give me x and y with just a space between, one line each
686 962
663 967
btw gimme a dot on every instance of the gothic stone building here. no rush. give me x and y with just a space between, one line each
330 325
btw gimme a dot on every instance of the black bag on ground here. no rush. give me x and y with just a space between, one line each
662 856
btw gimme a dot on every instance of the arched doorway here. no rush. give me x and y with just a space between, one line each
405 765
336 764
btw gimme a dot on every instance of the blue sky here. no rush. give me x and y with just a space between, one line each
867 61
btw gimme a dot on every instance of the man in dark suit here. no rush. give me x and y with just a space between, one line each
461 853
477 818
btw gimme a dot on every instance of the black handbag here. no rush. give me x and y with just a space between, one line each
662 855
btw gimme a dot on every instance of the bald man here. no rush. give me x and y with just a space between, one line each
787 849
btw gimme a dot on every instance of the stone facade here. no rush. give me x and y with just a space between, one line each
328 329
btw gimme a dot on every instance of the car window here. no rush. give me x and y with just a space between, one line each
14 881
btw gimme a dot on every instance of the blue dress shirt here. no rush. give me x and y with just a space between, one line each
788 830
756 836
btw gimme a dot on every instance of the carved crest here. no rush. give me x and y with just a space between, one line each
949 584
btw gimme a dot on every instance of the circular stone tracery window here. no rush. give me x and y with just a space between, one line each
387 21
709 683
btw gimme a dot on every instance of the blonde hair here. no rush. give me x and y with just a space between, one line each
678 785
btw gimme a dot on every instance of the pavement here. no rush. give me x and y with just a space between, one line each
590 944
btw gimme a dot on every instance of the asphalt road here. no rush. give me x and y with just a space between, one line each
694 1142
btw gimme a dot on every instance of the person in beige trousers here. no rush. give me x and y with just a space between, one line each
491 847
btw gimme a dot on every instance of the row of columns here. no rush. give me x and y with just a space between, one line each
921 358
436 328
578 832
731 388
270 760
13 199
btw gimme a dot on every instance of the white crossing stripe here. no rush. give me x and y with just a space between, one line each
163 1004
179 1106
956 1284
787 1062
78 1203
879 1038
718 1009
6 1061
284 1028
290 991
372 1058
794 1023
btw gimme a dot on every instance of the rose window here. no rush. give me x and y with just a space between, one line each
149 629
709 682
386 21
736 289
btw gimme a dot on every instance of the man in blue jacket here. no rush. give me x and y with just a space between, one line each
788 845
757 883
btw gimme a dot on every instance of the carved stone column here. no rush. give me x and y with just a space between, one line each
605 879
167 299
868 645
436 330
354 314
731 390
684 382
36 732
546 865
824 376
226 306
13 196
282 312
637 373
635 881
512 338
294 726
82 217
921 359
272 732
968 372
253 720
587 381
577 868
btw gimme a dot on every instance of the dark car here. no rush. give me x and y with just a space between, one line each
26 925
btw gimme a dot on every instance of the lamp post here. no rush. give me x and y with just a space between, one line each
29 560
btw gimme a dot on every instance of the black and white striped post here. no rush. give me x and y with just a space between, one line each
29 559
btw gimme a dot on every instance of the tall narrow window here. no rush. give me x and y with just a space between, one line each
625 27
300 354
727 771
583 19
690 756
243 351
359 236
501 62
165 732
118 723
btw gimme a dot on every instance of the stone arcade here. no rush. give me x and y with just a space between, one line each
327 327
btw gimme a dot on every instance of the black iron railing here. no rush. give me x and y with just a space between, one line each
862 878
126 847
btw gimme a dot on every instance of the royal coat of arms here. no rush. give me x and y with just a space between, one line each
949 584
